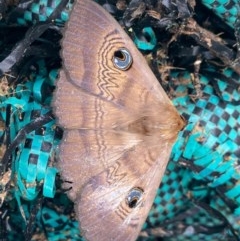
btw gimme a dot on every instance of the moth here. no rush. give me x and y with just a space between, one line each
119 126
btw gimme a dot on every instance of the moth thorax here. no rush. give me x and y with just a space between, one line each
166 129
146 125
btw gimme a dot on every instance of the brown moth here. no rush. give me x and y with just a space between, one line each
119 126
